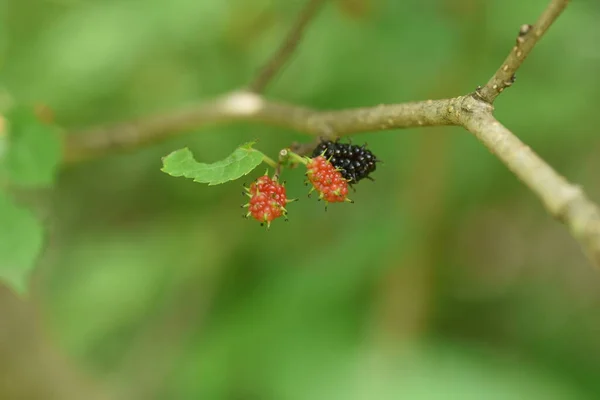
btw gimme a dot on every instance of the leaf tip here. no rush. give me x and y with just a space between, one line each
248 145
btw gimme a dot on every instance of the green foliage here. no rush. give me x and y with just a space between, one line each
239 163
21 238
3 38
160 290
29 157
32 152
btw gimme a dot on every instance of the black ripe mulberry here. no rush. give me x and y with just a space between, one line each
354 162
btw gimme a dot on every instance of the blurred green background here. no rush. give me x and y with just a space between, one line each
445 280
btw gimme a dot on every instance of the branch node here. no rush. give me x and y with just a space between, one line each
561 212
511 80
242 103
523 31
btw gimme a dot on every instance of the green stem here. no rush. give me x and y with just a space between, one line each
296 157
269 161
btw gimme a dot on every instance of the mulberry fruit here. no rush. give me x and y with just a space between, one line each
327 180
267 200
354 162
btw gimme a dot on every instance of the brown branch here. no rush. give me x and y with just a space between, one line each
528 37
563 200
287 48
247 106
474 112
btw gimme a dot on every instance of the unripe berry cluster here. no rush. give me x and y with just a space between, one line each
267 200
327 180
333 167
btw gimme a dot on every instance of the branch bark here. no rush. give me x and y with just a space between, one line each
529 36
287 48
563 200
248 106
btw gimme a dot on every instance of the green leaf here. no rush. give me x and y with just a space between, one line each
21 237
239 163
33 150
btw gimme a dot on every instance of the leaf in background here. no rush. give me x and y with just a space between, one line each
239 163
33 151
3 33
355 8
3 137
21 238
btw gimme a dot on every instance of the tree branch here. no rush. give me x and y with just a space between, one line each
287 48
474 112
247 106
563 200
528 37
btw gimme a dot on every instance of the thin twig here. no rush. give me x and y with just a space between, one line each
287 48
526 40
